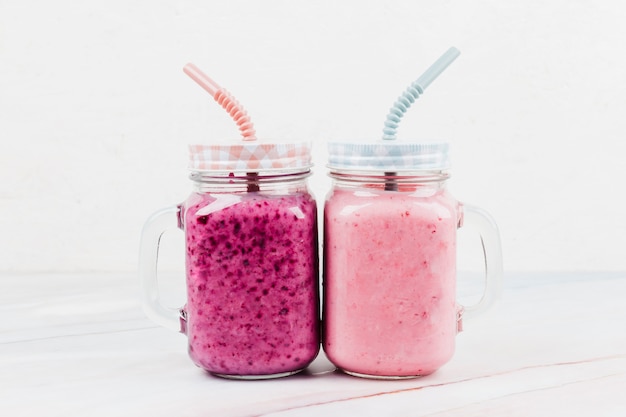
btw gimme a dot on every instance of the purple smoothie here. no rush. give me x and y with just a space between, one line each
252 282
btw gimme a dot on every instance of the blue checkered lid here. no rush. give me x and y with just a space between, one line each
388 155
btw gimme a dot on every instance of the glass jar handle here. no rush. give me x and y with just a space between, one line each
479 220
153 229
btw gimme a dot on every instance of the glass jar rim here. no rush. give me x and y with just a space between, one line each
381 176
242 176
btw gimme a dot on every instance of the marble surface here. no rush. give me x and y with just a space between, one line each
80 345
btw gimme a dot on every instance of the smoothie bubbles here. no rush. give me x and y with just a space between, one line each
250 228
390 225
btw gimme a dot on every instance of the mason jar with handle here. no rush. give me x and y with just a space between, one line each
390 308
250 227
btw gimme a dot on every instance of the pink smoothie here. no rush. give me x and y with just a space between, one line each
252 283
389 277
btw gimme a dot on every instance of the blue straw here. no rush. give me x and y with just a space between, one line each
415 90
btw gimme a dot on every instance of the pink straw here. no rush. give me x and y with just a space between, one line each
224 99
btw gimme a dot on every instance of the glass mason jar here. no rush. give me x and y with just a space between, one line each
390 225
252 308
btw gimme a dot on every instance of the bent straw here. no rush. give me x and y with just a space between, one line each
232 106
407 98
416 89
224 99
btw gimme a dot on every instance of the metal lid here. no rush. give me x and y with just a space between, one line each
248 156
388 155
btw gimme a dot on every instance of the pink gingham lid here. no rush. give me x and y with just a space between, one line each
246 156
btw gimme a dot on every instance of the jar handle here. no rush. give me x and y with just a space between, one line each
479 220
153 230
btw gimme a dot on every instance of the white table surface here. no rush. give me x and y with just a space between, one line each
80 345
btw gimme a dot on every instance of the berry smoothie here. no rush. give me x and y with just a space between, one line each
252 282
389 279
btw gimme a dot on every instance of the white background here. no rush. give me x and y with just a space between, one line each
96 113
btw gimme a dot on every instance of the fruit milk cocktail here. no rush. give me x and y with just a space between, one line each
390 273
250 226
390 226
252 304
